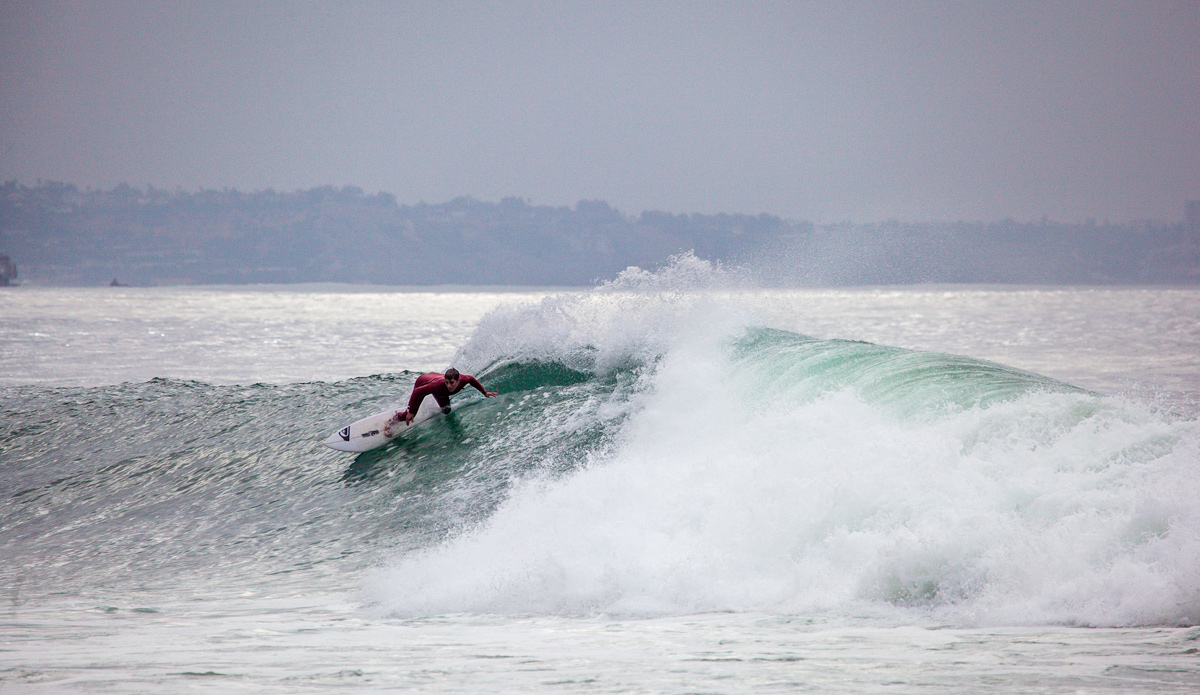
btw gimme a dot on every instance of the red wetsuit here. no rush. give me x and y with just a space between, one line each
434 384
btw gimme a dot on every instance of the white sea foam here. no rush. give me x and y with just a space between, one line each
1046 508
1024 513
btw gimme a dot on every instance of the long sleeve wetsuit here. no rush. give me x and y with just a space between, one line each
434 384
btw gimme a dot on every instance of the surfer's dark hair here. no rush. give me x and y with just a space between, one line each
451 374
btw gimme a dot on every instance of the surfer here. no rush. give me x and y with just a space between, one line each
441 387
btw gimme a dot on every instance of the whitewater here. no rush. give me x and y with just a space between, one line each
689 483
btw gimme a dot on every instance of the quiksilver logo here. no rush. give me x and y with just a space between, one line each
344 433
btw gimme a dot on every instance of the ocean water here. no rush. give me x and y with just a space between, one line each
687 485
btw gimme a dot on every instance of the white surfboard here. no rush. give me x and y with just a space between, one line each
367 433
370 432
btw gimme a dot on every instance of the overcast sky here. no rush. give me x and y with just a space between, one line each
820 111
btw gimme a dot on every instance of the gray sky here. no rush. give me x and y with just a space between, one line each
822 111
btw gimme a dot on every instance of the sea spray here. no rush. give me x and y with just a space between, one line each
628 321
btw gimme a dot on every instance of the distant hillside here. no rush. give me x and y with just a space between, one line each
58 234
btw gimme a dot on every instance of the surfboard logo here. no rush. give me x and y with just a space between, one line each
344 433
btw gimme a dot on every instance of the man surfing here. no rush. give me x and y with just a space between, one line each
441 387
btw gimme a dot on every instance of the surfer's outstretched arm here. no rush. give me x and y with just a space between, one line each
467 378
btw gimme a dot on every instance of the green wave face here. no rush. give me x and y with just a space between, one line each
909 382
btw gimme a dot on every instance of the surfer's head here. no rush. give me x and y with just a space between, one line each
452 376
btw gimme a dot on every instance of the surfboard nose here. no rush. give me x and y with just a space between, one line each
338 440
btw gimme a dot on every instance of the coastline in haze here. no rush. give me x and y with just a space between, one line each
60 235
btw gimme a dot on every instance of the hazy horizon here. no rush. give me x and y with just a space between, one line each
629 213
825 112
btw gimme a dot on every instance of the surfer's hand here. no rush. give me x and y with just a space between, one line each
489 394
408 418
